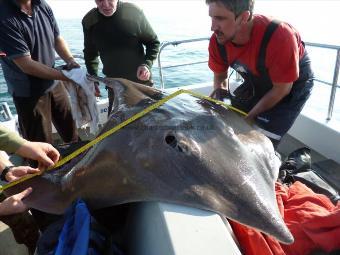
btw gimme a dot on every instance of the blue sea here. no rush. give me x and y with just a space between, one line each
186 19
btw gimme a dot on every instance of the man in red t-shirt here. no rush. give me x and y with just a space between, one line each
270 57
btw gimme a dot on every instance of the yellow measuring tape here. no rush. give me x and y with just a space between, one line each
116 128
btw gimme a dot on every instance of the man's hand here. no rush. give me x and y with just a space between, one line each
14 204
220 94
19 171
44 153
143 73
71 63
63 51
250 118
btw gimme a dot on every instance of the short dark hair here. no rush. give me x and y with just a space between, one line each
236 6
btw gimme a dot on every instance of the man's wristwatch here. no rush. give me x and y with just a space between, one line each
4 172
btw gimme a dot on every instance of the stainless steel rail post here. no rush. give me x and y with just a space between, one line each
334 86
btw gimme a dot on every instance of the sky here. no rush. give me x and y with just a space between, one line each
317 20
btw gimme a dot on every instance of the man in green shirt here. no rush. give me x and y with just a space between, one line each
118 32
13 210
44 153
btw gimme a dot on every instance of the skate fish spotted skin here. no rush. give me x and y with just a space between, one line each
188 151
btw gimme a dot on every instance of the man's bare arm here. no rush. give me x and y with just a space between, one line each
220 84
63 51
34 68
220 80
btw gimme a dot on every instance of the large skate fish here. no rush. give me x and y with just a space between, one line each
188 151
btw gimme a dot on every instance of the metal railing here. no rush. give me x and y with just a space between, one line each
175 43
335 74
316 45
5 112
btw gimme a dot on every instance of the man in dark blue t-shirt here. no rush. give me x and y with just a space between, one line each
29 38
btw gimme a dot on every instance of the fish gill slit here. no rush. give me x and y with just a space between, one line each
171 140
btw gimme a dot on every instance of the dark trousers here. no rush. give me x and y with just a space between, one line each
35 115
24 229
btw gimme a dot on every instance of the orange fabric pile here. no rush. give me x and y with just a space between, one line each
312 218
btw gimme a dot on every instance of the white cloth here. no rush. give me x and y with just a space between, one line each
83 100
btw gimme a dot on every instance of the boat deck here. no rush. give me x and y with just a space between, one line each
8 244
